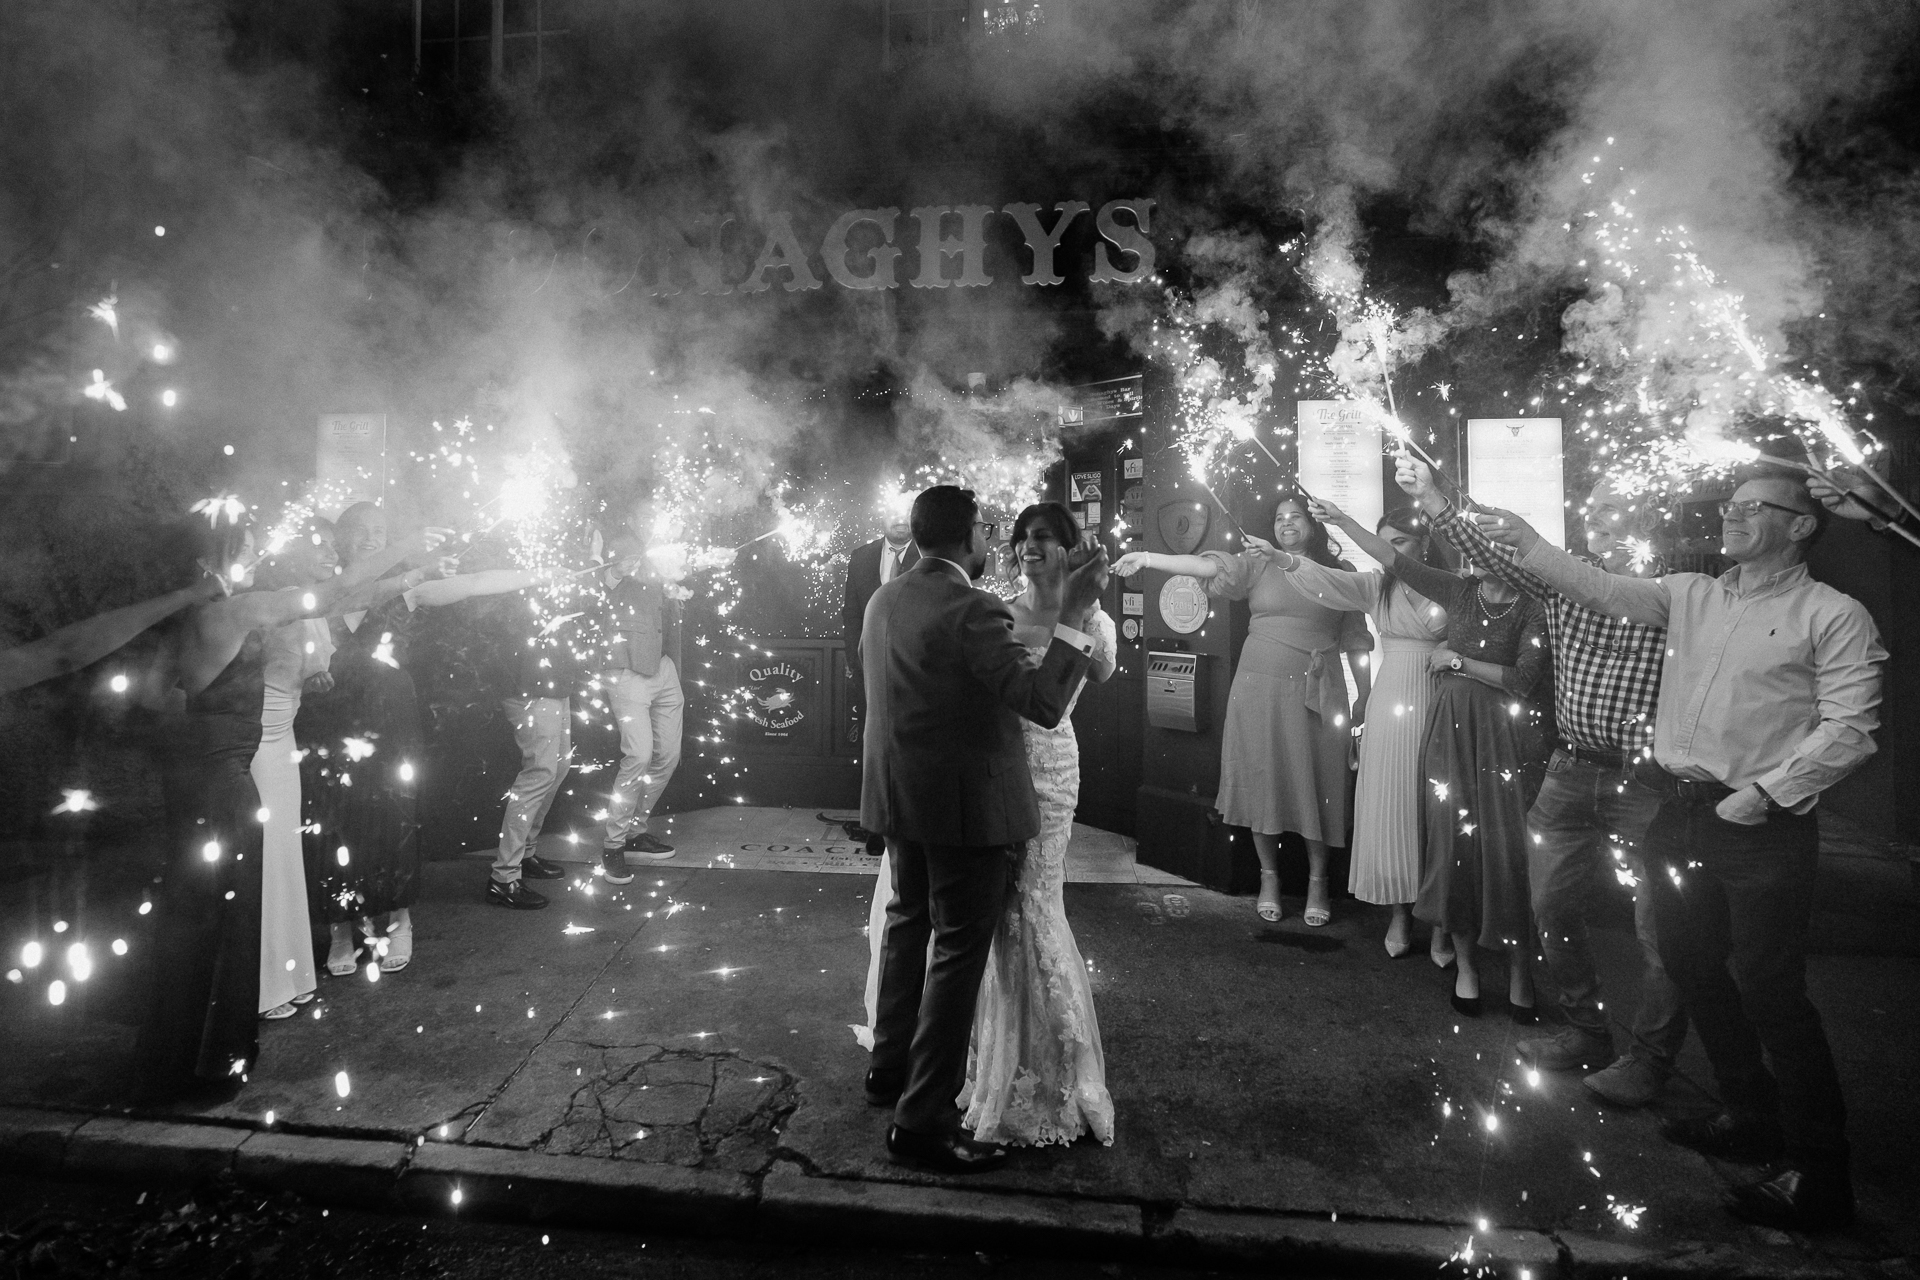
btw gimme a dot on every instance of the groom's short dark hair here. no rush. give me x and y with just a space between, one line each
943 516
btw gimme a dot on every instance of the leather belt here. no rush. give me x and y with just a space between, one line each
1612 758
1685 790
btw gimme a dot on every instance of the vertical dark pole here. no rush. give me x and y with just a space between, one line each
497 43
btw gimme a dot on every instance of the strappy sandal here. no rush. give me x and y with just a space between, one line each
1316 916
1269 904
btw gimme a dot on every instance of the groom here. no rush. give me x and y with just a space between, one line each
944 779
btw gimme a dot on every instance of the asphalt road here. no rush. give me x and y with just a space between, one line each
215 1232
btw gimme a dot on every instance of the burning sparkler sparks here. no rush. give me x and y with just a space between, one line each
102 390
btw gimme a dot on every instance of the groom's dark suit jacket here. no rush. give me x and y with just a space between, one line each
947 685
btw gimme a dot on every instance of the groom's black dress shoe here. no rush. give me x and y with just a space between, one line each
1795 1200
943 1152
884 1085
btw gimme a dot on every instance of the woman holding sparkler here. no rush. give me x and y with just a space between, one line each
201 1026
1387 798
1283 760
1482 760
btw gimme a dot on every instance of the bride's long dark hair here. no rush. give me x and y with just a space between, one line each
1055 515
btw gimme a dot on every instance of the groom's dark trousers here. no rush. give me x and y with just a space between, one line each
944 778
925 1016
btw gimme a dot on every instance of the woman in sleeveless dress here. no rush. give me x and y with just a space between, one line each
1288 734
1482 760
201 1023
1036 1073
1388 795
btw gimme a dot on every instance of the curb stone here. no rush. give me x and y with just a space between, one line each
908 1213
582 1189
340 1170
1353 1248
499 1182
36 1140
120 1149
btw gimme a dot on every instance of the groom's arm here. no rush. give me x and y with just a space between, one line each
1038 691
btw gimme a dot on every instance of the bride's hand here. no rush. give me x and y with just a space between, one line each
1129 564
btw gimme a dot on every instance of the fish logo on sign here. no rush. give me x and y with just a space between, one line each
1183 525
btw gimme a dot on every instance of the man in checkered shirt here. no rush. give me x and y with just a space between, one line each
1606 683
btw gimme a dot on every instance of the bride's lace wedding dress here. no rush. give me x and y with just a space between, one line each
1036 1074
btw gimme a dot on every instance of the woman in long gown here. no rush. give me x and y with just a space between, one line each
295 654
1481 763
1283 753
202 1020
1036 1073
1387 797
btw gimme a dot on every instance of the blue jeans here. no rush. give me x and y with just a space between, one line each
1733 904
1585 812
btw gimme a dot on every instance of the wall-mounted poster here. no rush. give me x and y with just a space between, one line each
353 453
1340 460
1515 464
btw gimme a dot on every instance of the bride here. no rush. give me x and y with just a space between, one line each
1036 1073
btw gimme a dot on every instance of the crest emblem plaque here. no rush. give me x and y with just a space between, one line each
1183 604
1183 525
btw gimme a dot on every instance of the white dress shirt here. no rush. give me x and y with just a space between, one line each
1774 683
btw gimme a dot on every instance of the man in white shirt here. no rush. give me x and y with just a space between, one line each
1769 695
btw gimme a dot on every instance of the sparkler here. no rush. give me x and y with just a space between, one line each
1197 470
106 311
102 390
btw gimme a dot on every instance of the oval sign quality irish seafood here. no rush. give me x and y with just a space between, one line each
1183 603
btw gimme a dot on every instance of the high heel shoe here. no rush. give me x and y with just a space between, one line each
1522 1015
1465 1006
1269 903
343 958
399 943
1316 916
1442 958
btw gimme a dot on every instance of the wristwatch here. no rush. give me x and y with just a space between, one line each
1773 806
1456 664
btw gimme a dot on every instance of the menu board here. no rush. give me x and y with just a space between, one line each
1515 464
353 453
1340 452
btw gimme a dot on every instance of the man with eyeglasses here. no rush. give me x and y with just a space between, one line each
1770 695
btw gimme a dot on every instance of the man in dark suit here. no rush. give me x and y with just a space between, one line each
944 779
868 569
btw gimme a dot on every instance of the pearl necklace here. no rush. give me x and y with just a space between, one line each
1487 610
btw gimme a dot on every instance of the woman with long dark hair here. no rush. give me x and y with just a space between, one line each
1387 797
1283 758
1037 1073
201 1026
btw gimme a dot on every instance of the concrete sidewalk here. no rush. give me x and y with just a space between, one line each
677 1056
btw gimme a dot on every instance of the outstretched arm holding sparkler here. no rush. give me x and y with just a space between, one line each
1860 503
84 643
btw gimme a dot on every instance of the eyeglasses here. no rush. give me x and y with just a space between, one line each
1749 509
989 527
